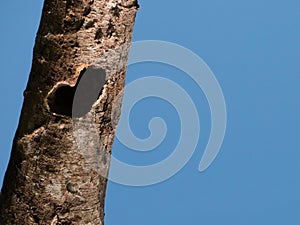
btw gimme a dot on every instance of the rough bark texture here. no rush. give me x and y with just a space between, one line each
52 177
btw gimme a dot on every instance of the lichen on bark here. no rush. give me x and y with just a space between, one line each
52 178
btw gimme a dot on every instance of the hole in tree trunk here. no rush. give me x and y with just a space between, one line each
77 101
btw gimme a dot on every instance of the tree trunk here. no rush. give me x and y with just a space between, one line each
53 176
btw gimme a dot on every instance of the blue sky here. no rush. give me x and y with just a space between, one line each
254 51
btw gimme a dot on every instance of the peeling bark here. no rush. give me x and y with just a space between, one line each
53 178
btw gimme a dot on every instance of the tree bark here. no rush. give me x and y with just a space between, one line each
52 177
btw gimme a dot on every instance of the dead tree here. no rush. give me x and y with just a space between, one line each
51 177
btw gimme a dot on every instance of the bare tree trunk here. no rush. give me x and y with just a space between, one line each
50 178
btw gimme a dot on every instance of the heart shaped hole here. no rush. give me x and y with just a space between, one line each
77 101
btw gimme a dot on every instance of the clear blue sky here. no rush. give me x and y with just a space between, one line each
253 48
